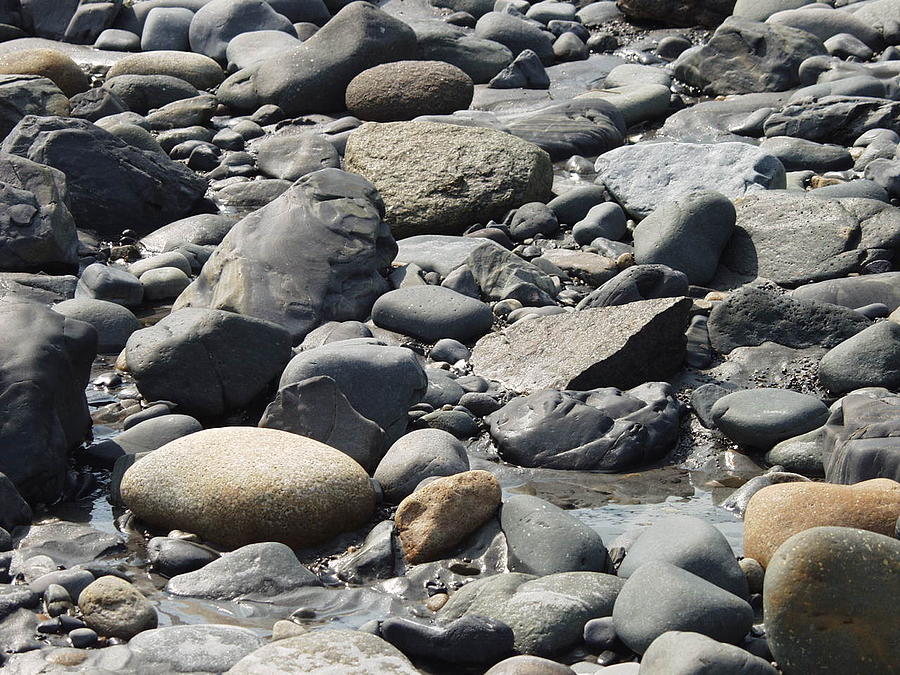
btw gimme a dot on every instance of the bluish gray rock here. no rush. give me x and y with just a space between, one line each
144 436
291 156
416 456
824 23
375 559
253 48
760 418
687 653
430 313
855 292
143 93
603 220
166 28
525 72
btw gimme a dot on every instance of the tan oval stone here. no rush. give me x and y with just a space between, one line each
115 608
242 485
777 512
437 517
49 63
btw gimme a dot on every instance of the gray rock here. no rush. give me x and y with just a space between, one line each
166 28
293 156
201 71
381 383
871 358
268 267
205 648
207 361
113 322
631 173
251 49
470 639
751 316
515 34
760 10
95 104
17 630
501 173
164 283
738 500
218 21
168 259
502 275
37 231
265 572
746 56
797 154
437 252
547 614
532 219
68 544
116 40
203 229
533 665
316 408
525 72
335 331
636 283
429 313
686 653
603 220
416 456
860 438
171 557
855 292
603 429
480 59
574 205
144 436
659 597
569 47
45 363
13 509
28 95
643 341
109 283
692 545
824 24
760 418
801 454
375 559
833 119
143 93
543 539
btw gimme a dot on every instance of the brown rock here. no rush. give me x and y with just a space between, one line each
437 517
115 608
49 63
777 512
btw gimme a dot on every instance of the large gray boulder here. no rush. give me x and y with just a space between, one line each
642 341
313 77
214 24
37 231
854 292
203 647
22 95
45 364
871 358
833 119
112 185
312 255
207 361
440 178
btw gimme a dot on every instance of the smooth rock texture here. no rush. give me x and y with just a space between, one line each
430 313
197 647
761 418
416 456
871 358
685 653
678 12
115 608
643 341
239 485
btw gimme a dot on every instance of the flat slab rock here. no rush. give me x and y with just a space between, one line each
620 346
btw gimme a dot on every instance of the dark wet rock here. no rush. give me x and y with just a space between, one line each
525 72
113 322
761 418
417 190
692 545
547 614
543 539
171 557
834 119
603 429
429 313
95 104
316 408
336 276
375 558
686 653
502 275
194 648
72 580
291 157
516 34
207 361
871 358
46 360
67 544
644 341
636 283
751 316
37 231
144 436
860 440
659 597
109 283
746 56
381 383
17 631
632 174
111 184
13 509
468 639
856 629
28 95
14 597
678 13
416 456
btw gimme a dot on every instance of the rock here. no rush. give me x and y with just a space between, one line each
833 119
256 485
543 539
50 63
313 77
249 50
631 173
525 72
314 274
381 383
501 275
797 154
643 341
659 597
201 71
416 456
109 283
468 639
37 232
171 557
28 95
636 283
322 652
406 89
737 501
429 313
777 512
115 40
751 316
292 157
745 56
374 559
674 13
685 653
196 647
603 220
166 28
437 517
263 572
109 181
45 363
115 608
169 259
515 34
143 93
144 436
207 361
547 614
218 21
801 454
501 173
871 358
859 438
113 323
205 229
530 665
95 104
855 631
316 408
825 24
13 509
578 127
164 283
480 59
760 418
600 429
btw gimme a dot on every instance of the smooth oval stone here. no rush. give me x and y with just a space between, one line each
684 653
113 322
871 358
416 456
194 648
761 418
430 313
115 608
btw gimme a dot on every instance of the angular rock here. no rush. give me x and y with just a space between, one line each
502 275
525 72
636 283
28 95
834 119
642 341
239 485
860 438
